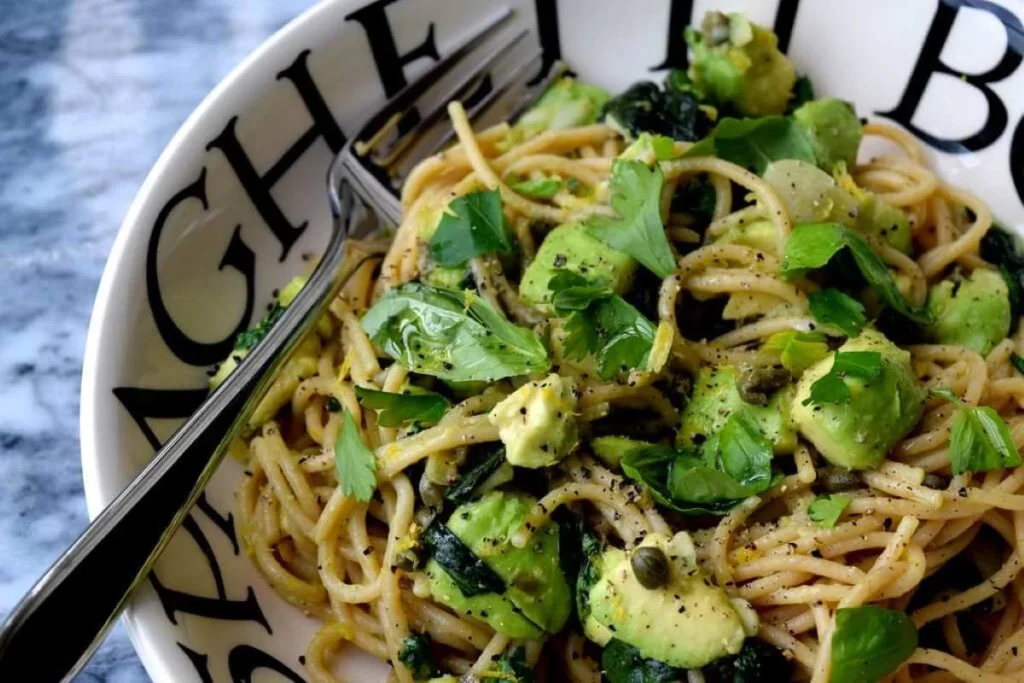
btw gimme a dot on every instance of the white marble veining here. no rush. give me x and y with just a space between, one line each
90 93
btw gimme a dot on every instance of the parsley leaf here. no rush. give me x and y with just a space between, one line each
812 245
869 643
825 511
426 407
544 188
980 441
832 307
797 350
638 229
600 324
355 463
755 143
452 335
472 225
831 388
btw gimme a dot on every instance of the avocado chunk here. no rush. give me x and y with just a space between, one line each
537 422
972 311
715 398
688 622
738 62
757 234
569 247
537 600
567 103
833 129
857 435
811 196
610 449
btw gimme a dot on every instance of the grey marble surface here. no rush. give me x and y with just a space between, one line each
90 93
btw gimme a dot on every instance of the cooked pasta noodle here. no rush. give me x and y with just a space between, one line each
346 561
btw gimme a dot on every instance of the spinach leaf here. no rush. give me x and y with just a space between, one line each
812 245
832 307
600 324
512 666
415 654
755 143
980 441
622 663
797 350
452 335
869 643
644 107
355 464
825 511
1003 249
544 188
638 229
697 197
472 225
468 572
830 388
1017 362
395 409
461 491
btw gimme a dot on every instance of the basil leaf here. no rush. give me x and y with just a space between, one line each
980 441
797 350
472 225
395 409
869 643
825 511
638 229
831 388
755 143
452 335
471 575
1017 362
623 663
832 307
744 453
354 462
812 245
545 188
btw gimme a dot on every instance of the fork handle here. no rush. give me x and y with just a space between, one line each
52 632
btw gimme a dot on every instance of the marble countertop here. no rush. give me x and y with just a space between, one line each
90 93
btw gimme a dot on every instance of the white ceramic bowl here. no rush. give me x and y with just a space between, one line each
237 201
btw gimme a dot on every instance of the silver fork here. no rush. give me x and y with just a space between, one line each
55 628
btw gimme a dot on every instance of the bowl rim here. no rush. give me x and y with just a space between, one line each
125 246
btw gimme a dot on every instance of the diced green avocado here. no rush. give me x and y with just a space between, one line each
715 398
566 104
687 622
759 234
737 62
537 422
811 196
833 129
536 601
857 435
610 449
569 247
972 311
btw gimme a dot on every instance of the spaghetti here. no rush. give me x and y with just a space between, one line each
345 561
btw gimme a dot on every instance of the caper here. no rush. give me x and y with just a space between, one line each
431 494
836 479
756 384
935 481
650 566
